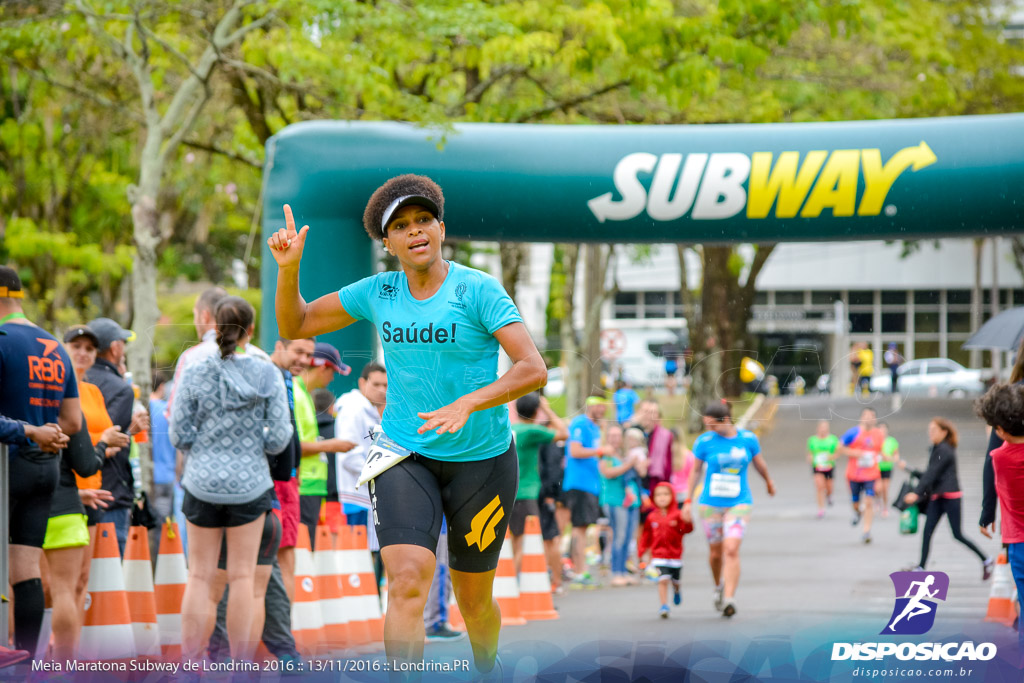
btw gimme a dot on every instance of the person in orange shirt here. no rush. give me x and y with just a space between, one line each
82 344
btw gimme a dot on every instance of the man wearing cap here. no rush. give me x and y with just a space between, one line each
313 469
39 390
120 400
582 482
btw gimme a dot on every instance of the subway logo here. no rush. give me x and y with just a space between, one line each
711 186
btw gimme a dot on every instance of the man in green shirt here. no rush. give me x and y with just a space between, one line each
890 457
529 437
821 454
324 362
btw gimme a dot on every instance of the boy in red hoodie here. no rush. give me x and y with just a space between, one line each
1002 408
663 539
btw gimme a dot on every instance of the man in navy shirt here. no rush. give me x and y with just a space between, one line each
39 389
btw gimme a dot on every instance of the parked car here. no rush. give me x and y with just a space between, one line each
932 377
556 382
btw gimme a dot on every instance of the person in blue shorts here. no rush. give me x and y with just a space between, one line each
441 325
722 455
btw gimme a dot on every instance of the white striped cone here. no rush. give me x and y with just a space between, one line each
138 585
307 620
169 587
332 600
357 605
506 587
534 582
107 630
367 585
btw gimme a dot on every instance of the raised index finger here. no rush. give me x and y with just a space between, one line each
289 220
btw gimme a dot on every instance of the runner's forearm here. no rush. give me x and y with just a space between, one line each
525 376
289 305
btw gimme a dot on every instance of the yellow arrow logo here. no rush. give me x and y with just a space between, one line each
482 527
878 179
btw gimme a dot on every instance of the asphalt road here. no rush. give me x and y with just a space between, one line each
805 582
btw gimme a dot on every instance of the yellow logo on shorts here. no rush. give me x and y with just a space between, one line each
482 526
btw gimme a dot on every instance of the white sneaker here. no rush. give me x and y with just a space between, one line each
718 598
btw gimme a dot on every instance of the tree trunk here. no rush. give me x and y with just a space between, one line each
976 299
513 256
567 332
590 344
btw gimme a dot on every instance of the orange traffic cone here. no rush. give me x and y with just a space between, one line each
506 587
352 578
107 631
332 598
364 582
534 582
1000 603
307 621
168 589
138 585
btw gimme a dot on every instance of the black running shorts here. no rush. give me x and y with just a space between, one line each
475 498
33 479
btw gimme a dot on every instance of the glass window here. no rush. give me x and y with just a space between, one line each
826 298
760 298
657 304
894 322
625 305
986 295
961 356
926 349
789 298
862 298
911 368
861 323
926 297
958 322
926 322
938 368
958 296
1018 297
625 299
894 297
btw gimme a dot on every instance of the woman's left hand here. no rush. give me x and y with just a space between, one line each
449 419
910 498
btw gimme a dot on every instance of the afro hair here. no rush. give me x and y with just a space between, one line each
399 186
1003 406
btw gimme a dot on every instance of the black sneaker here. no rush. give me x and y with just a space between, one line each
986 569
442 633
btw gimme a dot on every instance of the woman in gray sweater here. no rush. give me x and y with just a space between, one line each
230 412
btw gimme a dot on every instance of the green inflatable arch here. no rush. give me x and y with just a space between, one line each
713 183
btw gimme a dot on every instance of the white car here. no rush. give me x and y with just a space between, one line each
932 377
556 382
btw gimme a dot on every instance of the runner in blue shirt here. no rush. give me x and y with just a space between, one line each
625 398
39 389
441 325
725 500
582 482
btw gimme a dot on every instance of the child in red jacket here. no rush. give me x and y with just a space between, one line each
663 539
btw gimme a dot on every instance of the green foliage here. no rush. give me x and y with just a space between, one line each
70 118
176 330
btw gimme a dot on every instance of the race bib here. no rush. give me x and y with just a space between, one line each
822 459
383 454
867 460
724 485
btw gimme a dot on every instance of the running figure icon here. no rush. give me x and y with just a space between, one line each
916 607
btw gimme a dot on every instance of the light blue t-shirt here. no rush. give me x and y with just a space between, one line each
625 401
726 471
436 351
582 474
